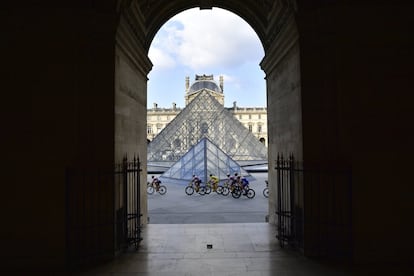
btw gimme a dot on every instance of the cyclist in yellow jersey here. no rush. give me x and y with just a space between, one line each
214 180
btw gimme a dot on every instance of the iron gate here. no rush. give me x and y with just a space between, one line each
314 208
130 215
288 211
102 212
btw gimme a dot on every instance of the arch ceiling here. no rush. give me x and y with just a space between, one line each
156 13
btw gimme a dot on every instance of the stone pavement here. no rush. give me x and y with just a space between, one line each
176 207
214 235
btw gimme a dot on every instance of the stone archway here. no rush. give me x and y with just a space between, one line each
139 22
350 103
319 94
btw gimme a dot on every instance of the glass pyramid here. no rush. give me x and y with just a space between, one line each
203 159
205 117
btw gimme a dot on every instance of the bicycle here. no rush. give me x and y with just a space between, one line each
151 188
224 189
210 187
266 190
233 187
246 191
189 190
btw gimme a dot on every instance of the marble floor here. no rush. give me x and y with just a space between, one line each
213 249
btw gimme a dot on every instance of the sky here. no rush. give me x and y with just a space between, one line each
197 42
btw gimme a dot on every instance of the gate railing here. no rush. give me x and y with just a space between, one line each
102 212
314 208
288 213
130 219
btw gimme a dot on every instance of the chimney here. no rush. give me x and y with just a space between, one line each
234 105
187 83
221 83
174 106
155 105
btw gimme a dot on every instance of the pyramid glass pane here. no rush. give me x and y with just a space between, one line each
205 117
209 160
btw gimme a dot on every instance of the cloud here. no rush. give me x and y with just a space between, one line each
161 58
230 80
205 39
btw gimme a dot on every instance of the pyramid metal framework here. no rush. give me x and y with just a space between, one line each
203 159
203 117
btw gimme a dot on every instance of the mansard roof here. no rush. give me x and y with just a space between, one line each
204 84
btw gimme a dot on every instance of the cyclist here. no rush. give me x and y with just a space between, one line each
214 180
228 181
244 185
239 182
233 181
156 183
196 182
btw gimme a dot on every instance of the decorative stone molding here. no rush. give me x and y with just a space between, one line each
280 14
130 38
206 4
287 36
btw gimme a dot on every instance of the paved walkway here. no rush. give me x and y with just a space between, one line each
192 235
224 249
237 249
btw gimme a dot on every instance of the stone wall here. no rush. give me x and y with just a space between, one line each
132 66
59 108
356 101
282 67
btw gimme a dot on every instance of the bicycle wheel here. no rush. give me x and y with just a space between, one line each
150 190
207 190
236 193
219 190
250 193
266 192
225 191
189 190
162 190
202 190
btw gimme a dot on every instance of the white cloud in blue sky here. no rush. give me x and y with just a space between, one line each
200 42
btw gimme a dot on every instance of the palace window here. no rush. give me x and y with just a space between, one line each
159 127
204 128
177 143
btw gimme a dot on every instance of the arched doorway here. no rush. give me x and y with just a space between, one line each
281 68
222 44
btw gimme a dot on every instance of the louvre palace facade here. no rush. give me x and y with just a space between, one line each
253 118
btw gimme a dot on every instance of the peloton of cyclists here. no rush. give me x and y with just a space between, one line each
232 181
